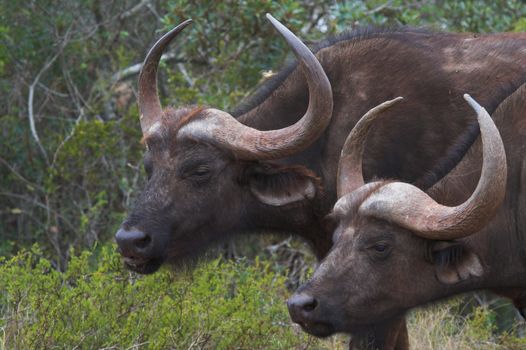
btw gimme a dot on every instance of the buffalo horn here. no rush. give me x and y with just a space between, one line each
149 103
409 207
350 175
244 142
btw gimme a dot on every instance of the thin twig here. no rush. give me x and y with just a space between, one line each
134 9
17 174
379 8
74 92
67 138
40 205
186 76
31 95
53 92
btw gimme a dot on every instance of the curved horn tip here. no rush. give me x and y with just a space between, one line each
183 24
270 17
474 104
385 105
177 28
393 101
282 29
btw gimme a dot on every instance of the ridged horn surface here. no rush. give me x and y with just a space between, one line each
223 130
148 99
411 208
350 175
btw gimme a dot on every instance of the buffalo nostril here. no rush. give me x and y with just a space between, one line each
131 241
311 305
143 242
302 303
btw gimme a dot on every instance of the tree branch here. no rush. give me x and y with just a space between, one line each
17 174
136 68
30 99
134 9
31 95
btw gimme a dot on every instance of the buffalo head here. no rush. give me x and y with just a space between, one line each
209 174
394 246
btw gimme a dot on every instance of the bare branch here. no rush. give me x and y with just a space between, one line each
379 8
134 9
136 68
66 139
36 203
154 12
31 95
30 104
186 76
17 174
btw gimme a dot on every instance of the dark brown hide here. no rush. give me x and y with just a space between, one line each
377 270
199 194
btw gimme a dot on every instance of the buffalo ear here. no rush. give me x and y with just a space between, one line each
279 185
454 262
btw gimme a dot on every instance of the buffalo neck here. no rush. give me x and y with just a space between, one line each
419 140
303 220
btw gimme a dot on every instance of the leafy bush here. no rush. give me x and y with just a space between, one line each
95 303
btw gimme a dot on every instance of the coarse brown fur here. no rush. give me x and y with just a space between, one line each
377 270
200 195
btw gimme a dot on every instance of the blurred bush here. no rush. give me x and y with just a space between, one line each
223 304
97 304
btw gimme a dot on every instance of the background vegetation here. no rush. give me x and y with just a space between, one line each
70 166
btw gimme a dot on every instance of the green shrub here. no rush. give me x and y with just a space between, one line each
95 303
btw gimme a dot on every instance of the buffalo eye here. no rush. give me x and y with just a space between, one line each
201 171
195 170
200 174
380 250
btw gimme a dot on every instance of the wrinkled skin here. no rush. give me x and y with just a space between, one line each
183 215
365 278
377 270
212 177
240 189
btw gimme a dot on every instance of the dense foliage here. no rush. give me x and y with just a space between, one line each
70 161
95 304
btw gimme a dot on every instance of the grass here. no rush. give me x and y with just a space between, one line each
446 326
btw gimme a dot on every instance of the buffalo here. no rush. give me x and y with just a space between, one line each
397 247
270 165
